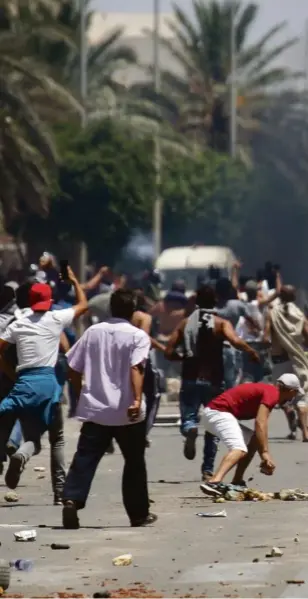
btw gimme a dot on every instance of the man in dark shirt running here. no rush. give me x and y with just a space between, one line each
222 417
202 335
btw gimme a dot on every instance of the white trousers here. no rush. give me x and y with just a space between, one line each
227 428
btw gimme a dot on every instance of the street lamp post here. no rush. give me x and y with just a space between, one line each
83 252
83 60
233 81
157 204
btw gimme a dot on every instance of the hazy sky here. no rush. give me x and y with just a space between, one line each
271 11
294 12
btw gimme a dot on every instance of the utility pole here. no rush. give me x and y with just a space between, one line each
83 252
157 204
233 81
306 57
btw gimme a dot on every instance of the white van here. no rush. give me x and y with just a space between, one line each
189 263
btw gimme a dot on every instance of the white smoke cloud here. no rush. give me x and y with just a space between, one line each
140 246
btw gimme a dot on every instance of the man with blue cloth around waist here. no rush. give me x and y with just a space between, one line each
34 399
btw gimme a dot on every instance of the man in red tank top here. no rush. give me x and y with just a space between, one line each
222 418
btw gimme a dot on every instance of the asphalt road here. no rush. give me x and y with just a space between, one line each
181 554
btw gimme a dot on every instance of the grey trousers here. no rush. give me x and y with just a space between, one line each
32 443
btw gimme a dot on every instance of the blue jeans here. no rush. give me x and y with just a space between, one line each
230 366
16 435
252 372
193 395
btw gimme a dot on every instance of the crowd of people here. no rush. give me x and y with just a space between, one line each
237 344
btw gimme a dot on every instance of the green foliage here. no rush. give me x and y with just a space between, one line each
28 156
104 191
203 199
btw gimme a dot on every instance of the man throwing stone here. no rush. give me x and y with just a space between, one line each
223 416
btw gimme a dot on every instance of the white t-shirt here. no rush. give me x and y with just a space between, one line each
105 355
37 337
245 330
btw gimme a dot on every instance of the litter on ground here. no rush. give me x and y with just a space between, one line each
123 560
221 514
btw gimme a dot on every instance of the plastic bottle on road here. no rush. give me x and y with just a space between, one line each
24 565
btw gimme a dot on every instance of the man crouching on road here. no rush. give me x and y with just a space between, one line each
245 402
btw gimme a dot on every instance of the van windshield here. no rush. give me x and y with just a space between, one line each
190 276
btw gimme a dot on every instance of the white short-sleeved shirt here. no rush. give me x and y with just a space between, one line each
37 337
104 355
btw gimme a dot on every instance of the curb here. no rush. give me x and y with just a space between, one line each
167 420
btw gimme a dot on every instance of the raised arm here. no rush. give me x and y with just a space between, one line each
81 305
95 281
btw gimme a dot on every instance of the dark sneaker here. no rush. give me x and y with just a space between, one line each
150 519
292 437
16 466
70 518
190 444
11 449
211 489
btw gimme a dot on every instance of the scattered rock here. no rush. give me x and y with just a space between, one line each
275 552
235 496
59 546
102 594
255 560
39 469
292 495
123 560
295 581
11 497
296 540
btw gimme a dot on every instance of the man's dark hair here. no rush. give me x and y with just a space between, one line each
251 289
224 289
22 295
206 297
7 297
123 304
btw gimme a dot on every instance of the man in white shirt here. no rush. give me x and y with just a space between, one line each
34 399
110 358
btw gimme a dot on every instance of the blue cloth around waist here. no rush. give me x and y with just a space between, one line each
34 394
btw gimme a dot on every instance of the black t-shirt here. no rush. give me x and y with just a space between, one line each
207 363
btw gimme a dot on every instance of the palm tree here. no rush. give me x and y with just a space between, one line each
105 57
28 157
196 102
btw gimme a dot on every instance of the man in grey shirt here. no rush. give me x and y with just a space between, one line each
231 309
